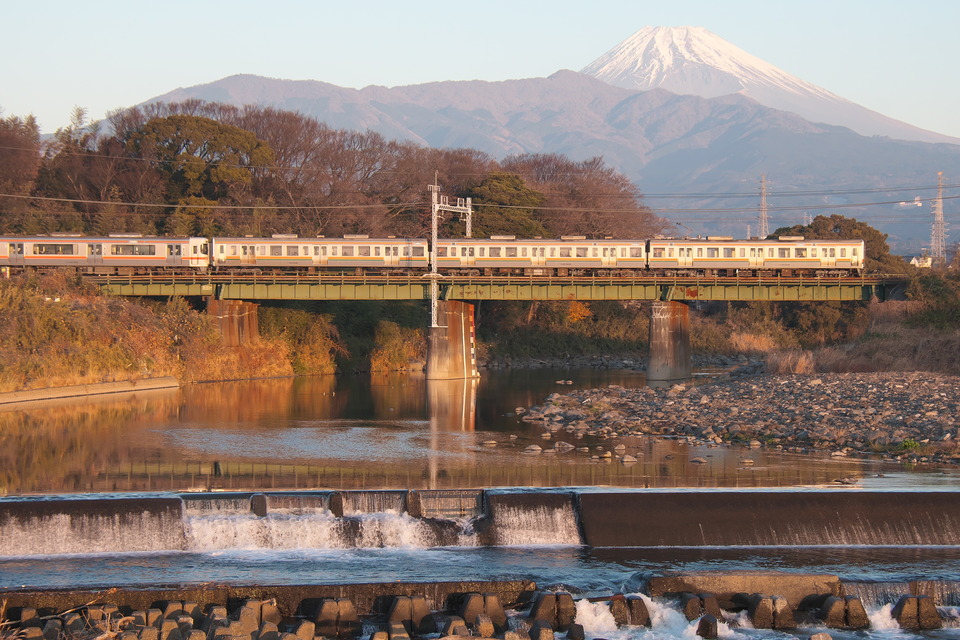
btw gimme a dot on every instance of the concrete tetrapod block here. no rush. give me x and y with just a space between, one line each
397 631
927 615
544 608
348 621
473 605
493 608
483 626
690 605
576 632
326 618
420 621
709 626
760 611
566 611
639 614
619 610
541 630
783 617
399 612
857 617
905 612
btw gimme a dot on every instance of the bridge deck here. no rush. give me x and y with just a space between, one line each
379 287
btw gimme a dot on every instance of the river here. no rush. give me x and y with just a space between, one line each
399 432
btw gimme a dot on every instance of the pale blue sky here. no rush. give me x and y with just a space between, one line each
897 57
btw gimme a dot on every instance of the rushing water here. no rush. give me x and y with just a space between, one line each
299 438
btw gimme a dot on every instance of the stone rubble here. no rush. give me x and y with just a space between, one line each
907 416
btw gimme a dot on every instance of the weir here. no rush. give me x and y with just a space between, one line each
428 518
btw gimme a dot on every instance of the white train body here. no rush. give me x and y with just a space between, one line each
490 256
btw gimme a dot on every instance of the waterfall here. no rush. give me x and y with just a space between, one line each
533 519
90 526
358 502
876 594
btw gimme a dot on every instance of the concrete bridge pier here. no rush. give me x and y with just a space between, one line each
236 319
451 347
669 342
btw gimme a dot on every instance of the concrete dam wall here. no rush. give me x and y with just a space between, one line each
374 519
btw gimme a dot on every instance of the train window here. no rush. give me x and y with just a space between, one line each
813 252
316 250
244 250
483 251
594 252
418 252
129 250
770 252
783 253
833 252
728 252
843 252
494 252
800 252
441 252
348 251
853 252
713 252
636 252
406 252
581 252
689 252
293 250
699 252
511 252
363 251
233 249
333 251
276 250
670 252
658 252
743 252
463 252
553 251
565 252
471 252
376 251
623 252
523 252
53 249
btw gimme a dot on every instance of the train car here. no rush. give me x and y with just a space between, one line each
120 253
311 254
570 255
788 255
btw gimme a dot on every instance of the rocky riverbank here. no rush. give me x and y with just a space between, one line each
906 416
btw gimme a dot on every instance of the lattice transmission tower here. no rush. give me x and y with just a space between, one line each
764 223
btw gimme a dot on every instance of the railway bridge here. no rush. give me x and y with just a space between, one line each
233 298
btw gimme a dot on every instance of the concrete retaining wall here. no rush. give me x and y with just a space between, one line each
758 518
126 386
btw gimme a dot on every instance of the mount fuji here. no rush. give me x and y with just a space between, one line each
694 61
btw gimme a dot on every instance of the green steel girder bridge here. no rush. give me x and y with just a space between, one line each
476 287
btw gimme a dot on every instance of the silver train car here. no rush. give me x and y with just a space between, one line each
572 255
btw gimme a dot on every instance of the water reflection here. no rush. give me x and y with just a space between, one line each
360 432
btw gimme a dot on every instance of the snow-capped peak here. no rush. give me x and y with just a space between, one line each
694 61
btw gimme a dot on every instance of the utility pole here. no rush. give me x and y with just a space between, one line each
440 203
938 233
764 224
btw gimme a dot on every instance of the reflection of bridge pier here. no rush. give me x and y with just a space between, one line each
453 407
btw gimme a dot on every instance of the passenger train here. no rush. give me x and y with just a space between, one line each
569 255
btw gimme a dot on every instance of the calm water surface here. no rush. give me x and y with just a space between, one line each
362 432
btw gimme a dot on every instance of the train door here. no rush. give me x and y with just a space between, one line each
248 254
608 256
16 253
391 256
756 257
95 254
828 256
684 256
538 256
467 256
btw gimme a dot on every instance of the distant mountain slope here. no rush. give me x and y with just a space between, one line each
667 143
694 61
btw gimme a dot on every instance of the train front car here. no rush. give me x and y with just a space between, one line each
114 254
568 256
784 256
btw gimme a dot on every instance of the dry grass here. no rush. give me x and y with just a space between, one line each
397 348
792 361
